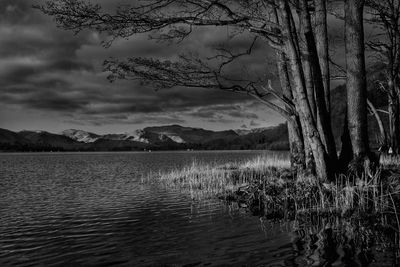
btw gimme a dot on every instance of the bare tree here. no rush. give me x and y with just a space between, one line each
297 30
386 16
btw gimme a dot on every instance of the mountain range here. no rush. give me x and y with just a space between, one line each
175 137
170 137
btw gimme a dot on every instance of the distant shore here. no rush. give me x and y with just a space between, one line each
138 151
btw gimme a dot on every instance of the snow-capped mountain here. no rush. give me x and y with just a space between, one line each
152 135
168 137
160 134
173 137
81 136
188 135
251 131
136 136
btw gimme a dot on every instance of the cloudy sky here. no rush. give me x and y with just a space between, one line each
52 80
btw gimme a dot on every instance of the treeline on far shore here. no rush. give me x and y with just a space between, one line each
279 145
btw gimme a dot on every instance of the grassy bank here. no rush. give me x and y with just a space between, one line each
265 187
207 180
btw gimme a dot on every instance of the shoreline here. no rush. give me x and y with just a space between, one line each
266 187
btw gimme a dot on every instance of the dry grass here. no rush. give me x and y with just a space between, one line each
346 195
206 180
266 182
389 160
264 163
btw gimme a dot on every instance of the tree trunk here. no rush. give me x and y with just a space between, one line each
356 81
308 153
306 60
296 139
383 137
309 80
297 156
323 116
312 135
321 38
394 120
346 152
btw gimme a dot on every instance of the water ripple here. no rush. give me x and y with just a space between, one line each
89 209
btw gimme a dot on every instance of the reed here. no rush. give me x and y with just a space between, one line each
348 194
264 185
206 180
389 161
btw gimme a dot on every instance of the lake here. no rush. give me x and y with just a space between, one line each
91 209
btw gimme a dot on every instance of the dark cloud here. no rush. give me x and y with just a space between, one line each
70 65
15 11
144 118
223 113
48 101
254 124
43 68
243 114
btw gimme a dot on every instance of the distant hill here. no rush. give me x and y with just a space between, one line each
46 139
81 136
249 131
10 140
190 135
170 137
176 137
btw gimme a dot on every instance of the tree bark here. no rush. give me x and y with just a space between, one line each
306 60
308 153
394 120
300 95
297 155
296 139
321 38
346 152
356 80
323 116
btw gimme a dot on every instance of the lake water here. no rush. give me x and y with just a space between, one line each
90 209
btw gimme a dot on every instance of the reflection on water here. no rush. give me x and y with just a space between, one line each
339 242
89 209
